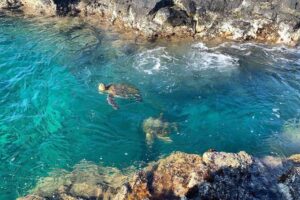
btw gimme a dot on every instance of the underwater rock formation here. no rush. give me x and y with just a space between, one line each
215 175
274 21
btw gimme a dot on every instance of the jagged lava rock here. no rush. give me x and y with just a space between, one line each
272 21
216 175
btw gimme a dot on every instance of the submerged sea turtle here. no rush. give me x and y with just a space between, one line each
124 91
157 128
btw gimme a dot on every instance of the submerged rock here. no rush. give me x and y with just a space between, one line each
215 175
273 21
86 181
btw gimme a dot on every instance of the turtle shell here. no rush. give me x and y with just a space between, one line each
156 127
124 91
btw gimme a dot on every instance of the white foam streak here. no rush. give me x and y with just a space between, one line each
153 60
200 57
200 46
203 58
207 60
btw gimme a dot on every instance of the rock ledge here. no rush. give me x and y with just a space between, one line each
271 21
215 175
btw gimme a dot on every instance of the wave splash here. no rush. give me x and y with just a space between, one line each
198 57
202 58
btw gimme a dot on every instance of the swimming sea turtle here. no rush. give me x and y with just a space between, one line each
121 90
157 128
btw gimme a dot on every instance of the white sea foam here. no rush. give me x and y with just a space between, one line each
201 57
200 45
266 48
231 45
153 60
278 53
204 60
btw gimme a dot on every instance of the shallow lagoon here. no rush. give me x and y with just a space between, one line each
229 97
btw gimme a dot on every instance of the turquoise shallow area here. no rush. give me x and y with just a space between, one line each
229 97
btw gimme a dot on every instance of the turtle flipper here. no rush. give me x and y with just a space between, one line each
138 98
165 139
149 138
111 101
175 127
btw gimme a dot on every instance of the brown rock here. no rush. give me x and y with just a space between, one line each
216 175
31 197
219 160
85 190
295 158
265 21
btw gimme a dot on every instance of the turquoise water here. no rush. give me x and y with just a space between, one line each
229 97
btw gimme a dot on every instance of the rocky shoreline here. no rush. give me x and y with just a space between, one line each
215 175
269 21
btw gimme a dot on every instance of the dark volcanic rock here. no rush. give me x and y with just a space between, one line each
64 7
274 21
268 21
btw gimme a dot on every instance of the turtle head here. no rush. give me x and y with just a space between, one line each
101 87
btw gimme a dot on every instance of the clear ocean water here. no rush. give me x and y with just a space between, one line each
229 97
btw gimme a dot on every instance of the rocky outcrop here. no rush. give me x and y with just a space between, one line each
215 175
36 7
274 21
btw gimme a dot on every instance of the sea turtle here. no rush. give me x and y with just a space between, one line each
121 90
157 128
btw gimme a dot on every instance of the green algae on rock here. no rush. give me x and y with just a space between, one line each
215 175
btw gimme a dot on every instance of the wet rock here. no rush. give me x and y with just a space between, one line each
86 181
85 190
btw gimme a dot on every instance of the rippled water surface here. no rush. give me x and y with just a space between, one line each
229 97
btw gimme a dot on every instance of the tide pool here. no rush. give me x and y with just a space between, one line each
229 97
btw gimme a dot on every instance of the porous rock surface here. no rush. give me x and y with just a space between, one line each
215 175
272 21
